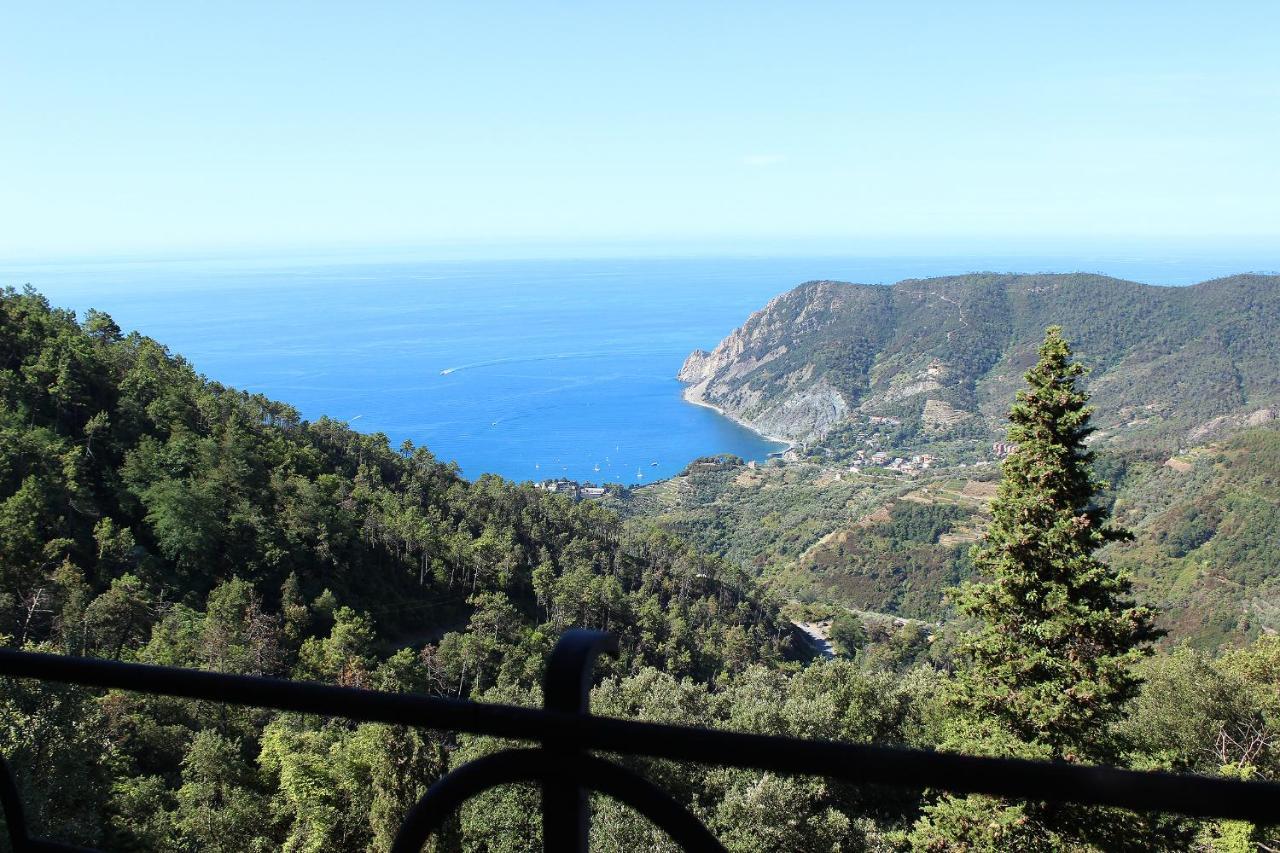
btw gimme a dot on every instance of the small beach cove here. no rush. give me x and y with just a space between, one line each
693 395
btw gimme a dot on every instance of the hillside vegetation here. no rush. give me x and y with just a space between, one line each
121 467
148 514
925 369
942 356
1207 536
816 533
1206 525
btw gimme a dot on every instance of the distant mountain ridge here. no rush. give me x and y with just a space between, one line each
944 356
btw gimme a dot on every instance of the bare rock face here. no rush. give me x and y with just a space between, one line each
697 367
790 404
804 415
1229 423
756 342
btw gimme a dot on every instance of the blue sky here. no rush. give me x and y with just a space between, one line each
157 128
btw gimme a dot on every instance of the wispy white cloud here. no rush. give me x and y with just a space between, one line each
760 161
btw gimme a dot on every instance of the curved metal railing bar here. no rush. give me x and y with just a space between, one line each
578 731
566 811
534 765
15 821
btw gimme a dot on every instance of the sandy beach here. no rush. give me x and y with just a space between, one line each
692 394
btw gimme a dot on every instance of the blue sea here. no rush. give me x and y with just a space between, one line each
527 369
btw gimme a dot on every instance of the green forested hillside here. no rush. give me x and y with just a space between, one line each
147 514
119 465
816 533
1207 536
925 369
1165 360
1205 523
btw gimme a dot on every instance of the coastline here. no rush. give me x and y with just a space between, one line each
691 394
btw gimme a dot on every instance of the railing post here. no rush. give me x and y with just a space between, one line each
566 816
20 841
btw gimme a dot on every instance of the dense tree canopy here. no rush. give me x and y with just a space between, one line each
148 514
1050 667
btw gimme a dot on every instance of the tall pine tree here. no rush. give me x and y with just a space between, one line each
1050 667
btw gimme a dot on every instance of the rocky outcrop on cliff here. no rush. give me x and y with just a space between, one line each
794 404
804 414
1225 424
946 354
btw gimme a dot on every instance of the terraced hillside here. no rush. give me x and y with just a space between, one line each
1206 552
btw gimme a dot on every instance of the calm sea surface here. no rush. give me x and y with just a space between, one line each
527 369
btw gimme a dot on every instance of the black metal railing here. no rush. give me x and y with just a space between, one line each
566 770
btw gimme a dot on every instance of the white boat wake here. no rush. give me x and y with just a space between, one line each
522 359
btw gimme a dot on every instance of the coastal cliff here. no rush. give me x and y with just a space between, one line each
941 357
787 404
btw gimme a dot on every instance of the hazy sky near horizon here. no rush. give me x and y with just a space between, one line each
151 127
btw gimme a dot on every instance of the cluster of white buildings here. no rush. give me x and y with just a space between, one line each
572 488
880 459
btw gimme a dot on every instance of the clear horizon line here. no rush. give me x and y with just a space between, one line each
517 249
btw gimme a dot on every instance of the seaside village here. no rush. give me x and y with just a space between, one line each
872 457
912 464
880 459
575 490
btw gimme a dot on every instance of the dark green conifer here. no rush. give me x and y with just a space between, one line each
1052 661
1049 668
